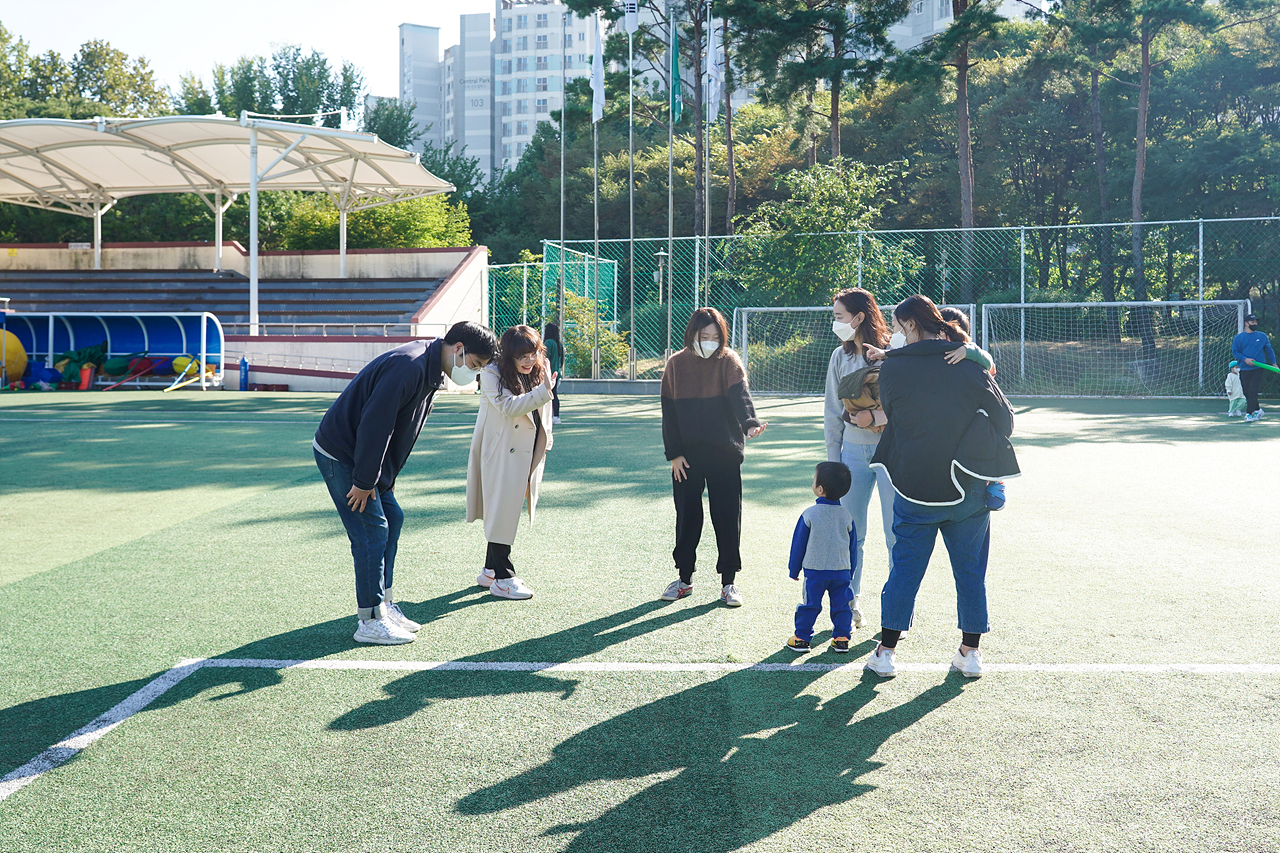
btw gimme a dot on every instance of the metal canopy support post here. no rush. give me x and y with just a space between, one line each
342 242
524 294
97 235
253 231
217 231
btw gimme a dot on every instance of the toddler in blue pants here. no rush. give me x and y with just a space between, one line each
825 546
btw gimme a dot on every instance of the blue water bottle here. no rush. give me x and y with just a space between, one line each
244 373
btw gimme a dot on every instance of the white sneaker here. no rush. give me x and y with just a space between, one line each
555 420
485 578
382 631
513 588
675 590
858 621
730 596
970 665
881 663
396 615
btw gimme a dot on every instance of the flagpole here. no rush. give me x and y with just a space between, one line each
597 113
564 109
672 66
707 159
631 201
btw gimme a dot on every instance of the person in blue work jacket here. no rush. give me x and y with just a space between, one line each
825 547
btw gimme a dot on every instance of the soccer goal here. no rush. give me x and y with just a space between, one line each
787 350
1112 349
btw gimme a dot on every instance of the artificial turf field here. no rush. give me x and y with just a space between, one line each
141 531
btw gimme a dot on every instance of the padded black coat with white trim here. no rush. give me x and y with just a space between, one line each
943 418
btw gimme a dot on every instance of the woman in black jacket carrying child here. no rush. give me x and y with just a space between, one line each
948 433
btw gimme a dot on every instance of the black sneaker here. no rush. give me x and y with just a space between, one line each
798 645
840 644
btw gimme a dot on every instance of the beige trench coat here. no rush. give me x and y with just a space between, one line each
507 456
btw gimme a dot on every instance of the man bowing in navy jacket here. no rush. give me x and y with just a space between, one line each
363 442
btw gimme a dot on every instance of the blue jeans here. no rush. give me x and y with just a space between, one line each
374 534
858 500
836 586
966 531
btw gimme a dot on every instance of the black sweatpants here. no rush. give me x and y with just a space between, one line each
1250 383
498 558
719 472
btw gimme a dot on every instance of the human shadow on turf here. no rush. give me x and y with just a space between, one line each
406 696
744 756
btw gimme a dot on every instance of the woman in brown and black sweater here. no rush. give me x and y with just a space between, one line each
707 415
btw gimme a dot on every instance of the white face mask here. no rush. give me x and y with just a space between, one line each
706 349
898 341
460 373
844 331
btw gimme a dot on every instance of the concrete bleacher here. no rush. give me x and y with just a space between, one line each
225 294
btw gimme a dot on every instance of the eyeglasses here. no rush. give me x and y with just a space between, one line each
527 358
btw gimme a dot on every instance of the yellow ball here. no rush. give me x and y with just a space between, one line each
183 364
15 357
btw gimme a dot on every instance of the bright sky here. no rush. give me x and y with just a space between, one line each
178 36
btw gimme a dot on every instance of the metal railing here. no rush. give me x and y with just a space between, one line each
300 362
421 330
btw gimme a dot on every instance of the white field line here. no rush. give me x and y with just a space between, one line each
652 421
64 750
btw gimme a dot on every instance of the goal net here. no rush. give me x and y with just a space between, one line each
1112 349
787 350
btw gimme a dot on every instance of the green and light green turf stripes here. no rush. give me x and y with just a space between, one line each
139 531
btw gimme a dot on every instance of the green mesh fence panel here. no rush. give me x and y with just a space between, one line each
1182 260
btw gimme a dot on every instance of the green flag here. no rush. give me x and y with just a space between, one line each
676 100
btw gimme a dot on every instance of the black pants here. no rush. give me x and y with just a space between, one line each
1251 382
555 398
498 558
720 473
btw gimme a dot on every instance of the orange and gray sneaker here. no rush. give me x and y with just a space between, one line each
798 645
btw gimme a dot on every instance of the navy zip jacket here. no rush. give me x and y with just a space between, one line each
375 422
943 418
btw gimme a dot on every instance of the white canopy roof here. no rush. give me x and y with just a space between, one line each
75 166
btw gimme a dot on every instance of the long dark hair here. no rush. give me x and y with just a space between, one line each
699 320
518 341
551 333
920 310
874 330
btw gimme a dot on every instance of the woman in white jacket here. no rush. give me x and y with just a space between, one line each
508 450
858 323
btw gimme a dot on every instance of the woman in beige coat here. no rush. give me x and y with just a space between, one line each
508 449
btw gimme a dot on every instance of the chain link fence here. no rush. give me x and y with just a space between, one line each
649 301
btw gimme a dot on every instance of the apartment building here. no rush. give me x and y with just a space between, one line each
927 18
537 44
467 79
422 78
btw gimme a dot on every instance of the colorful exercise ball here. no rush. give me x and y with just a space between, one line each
15 357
